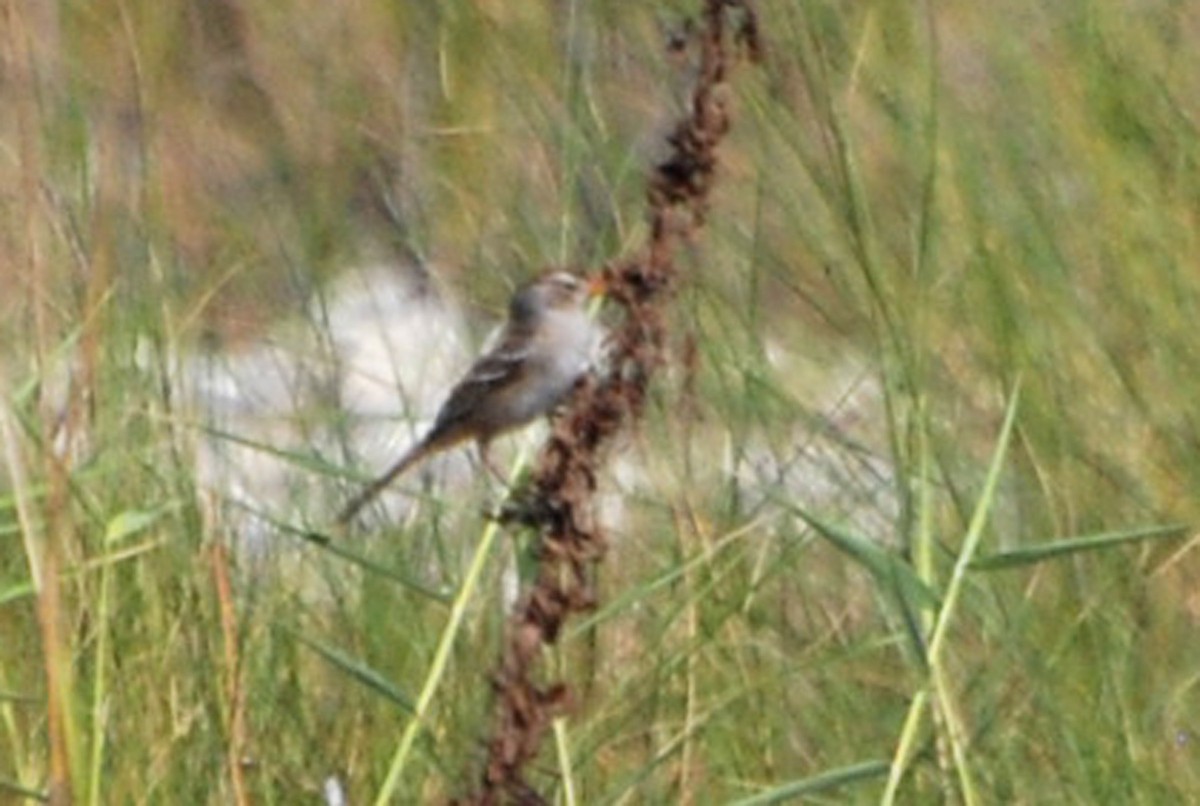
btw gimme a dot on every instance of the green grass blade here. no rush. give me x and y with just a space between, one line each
304 460
18 591
339 550
974 534
356 669
14 788
1055 549
562 752
120 527
884 565
437 668
640 594
833 779
906 747
938 674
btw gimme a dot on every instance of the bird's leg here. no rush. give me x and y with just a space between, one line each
486 457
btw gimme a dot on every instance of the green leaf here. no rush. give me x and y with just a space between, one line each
979 519
886 566
1055 549
129 523
304 460
19 591
331 545
358 670
20 790
818 783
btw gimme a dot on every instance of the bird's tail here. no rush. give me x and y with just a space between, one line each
368 494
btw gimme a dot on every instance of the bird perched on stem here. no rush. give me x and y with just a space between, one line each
544 349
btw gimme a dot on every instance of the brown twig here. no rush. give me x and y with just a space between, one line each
570 541
234 692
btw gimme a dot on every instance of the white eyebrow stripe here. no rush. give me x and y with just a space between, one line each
564 278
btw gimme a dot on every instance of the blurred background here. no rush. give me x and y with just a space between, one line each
246 246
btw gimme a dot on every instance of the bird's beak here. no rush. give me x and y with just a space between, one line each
596 285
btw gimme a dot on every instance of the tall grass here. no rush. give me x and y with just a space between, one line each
911 516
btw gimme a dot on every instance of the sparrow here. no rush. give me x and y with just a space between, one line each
545 347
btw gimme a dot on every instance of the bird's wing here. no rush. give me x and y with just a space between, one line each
503 366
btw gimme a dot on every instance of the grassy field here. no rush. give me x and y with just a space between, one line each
912 514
